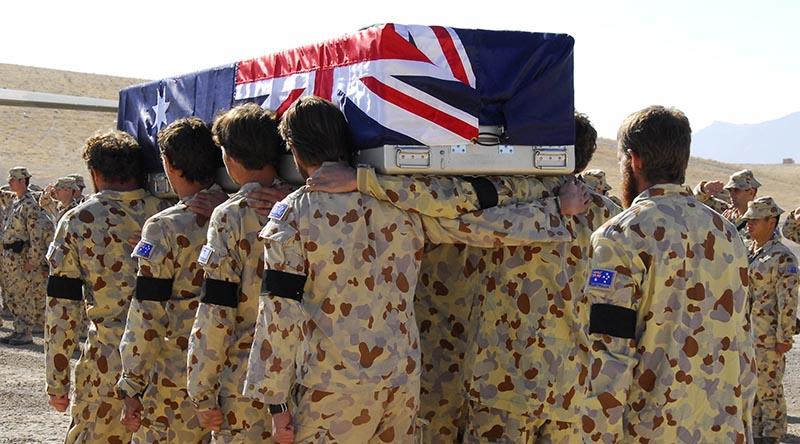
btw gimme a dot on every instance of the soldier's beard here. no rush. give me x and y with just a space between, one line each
630 186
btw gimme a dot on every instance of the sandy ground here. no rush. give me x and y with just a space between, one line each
25 417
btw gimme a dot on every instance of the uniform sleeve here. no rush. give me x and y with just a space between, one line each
63 310
515 224
786 289
444 197
148 319
611 325
48 204
273 357
710 201
215 321
6 197
791 227
39 228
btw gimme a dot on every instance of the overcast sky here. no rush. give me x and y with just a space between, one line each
733 61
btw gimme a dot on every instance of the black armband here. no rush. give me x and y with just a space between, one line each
220 293
153 289
485 190
282 284
274 409
61 287
612 320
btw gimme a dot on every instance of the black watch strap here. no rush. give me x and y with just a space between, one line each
274 409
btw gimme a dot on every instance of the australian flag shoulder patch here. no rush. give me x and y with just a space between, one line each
143 249
603 279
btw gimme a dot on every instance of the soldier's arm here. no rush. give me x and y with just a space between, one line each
147 321
39 228
63 310
611 327
272 362
215 321
791 226
786 291
6 196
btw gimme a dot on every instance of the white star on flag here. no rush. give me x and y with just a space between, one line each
161 110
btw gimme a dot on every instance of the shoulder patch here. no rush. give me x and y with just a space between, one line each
278 211
205 255
793 269
602 278
143 249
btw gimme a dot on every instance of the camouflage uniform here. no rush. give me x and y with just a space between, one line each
25 233
222 333
671 356
791 227
596 180
773 297
156 338
473 334
92 270
743 180
320 247
53 207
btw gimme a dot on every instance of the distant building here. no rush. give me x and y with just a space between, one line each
788 161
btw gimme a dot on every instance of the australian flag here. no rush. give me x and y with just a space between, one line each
396 84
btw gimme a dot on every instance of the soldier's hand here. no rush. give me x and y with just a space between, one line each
264 198
61 403
282 428
333 177
131 416
574 198
783 347
713 188
210 419
728 214
204 202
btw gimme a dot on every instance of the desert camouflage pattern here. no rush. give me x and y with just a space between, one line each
743 180
451 343
54 208
493 425
156 339
314 220
773 293
713 202
354 418
791 227
24 293
221 336
617 201
91 247
669 321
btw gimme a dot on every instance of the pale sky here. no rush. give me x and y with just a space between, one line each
733 61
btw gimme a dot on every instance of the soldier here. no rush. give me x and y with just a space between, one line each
671 355
791 227
78 194
465 294
161 315
596 180
773 298
90 260
316 131
26 230
222 334
742 186
63 190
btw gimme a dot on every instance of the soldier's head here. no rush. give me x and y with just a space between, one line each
743 187
585 141
79 182
114 158
653 149
763 217
316 132
248 135
64 188
18 179
188 150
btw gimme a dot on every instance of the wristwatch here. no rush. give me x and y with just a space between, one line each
274 409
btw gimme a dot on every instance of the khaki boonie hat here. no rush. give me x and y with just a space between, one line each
78 180
742 180
18 173
66 183
596 179
762 208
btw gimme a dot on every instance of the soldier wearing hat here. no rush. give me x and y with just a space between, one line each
742 187
78 194
25 232
773 299
596 180
63 190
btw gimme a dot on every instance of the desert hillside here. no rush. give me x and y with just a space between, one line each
48 141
